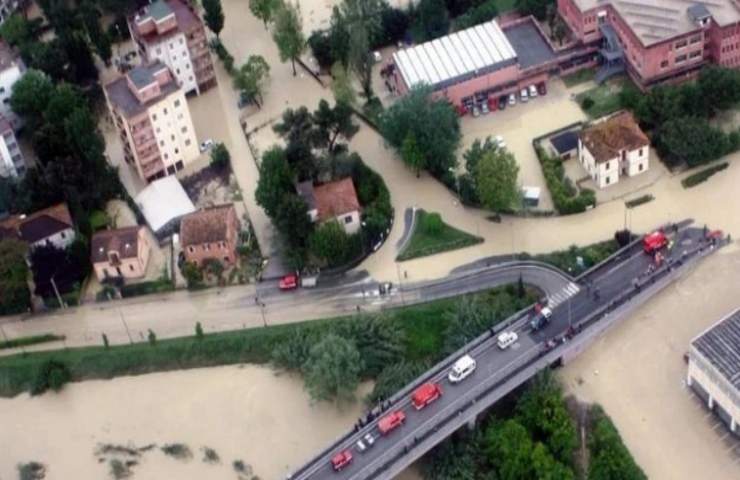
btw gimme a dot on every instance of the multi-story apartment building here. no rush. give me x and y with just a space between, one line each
11 70
153 120
171 32
656 40
11 158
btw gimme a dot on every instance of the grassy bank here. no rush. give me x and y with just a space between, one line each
602 100
567 260
424 327
32 340
431 236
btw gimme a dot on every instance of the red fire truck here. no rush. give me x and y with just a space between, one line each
341 460
654 241
425 395
391 421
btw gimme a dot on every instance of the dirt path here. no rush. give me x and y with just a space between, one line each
637 372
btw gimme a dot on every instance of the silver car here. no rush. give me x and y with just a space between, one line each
365 442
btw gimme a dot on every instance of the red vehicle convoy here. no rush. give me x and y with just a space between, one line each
341 460
426 394
388 423
654 241
288 282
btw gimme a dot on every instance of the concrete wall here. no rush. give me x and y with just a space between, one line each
636 162
174 132
173 51
719 392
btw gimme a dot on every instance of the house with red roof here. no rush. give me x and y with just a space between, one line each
50 226
332 201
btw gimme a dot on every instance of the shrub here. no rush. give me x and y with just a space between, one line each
145 288
31 471
152 337
52 374
609 456
587 103
177 450
198 331
32 340
635 202
432 223
702 175
220 157
210 455
567 201
320 44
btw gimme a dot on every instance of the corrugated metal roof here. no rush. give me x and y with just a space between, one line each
720 345
450 59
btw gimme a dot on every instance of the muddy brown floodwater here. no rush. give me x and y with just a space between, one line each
248 413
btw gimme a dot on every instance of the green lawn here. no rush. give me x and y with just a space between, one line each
426 240
604 98
33 340
581 76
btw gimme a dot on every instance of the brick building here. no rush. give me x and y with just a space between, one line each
212 233
332 201
153 121
170 31
656 41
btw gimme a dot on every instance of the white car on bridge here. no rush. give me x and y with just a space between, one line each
462 369
506 339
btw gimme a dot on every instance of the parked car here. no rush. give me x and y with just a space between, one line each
476 111
523 95
506 339
500 143
532 91
502 102
462 369
391 421
341 460
426 394
288 282
484 108
542 88
512 99
365 442
206 145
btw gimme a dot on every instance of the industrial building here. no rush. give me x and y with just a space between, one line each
656 41
714 369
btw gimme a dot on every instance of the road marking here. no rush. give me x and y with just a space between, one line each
563 294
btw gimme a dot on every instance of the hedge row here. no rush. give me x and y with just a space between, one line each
566 198
702 175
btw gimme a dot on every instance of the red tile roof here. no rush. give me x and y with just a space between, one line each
124 241
605 140
336 198
39 225
206 226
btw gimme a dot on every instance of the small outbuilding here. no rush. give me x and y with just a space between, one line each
163 203
565 145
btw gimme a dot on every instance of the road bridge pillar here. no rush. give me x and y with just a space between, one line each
472 422
710 402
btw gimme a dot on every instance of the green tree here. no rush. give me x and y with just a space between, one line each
275 180
360 21
537 8
193 275
264 9
545 466
220 157
52 374
509 447
718 89
341 85
288 33
106 344
152 338
361 61
691 140
251 78
330 243
214 15
432 20
469 319
293 353
456 458
394 377
479 14
31 95
332 369
199 331
496 180
18 30
333 124
292 221
433 123
609 458
412 155
14 294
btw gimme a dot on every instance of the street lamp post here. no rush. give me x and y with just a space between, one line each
120 313
400 283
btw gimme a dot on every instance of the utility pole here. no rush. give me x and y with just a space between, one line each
56 292
400 283
120 313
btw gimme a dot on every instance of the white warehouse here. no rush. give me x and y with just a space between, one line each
714 369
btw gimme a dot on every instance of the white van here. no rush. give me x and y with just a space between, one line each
506 339
462 369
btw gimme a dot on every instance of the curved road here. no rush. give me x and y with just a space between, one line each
175 314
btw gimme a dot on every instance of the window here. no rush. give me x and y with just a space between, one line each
184 129
177 102
695 54
179 165
640 152
154 117
222 244
63 235
159 129
191 249
187 142
607 165
680 58
172 45
348 219
2 89
164 111
664 64
161 143
159 51
177 150
207 247
166 156
178 71
639 167
681 44
172 137
131 267
696 38
608 180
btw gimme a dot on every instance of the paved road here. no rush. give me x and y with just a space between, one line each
571 304
175 314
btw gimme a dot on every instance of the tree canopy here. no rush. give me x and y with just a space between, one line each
288 33
14 294
496 180
332 370
434 125
214 15
264 9
250 79
432 20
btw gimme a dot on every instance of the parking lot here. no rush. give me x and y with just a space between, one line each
519 124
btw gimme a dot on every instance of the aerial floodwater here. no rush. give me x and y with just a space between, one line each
247 413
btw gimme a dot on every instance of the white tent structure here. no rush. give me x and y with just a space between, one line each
163 203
